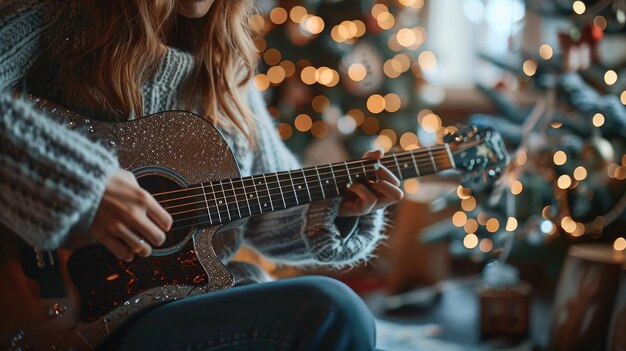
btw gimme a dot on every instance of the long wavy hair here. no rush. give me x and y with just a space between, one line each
128 38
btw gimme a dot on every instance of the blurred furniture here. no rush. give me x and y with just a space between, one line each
411 261
617 337
504 312
584 298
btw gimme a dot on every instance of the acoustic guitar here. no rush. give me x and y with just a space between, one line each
184 162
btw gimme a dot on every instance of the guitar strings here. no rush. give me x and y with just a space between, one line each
233 188
224 198
227 211
401 154
394 165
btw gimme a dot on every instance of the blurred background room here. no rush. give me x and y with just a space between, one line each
530 260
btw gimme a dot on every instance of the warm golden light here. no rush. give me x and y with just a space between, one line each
284 130
297 14
463 193
378 9
430 122
600 22
470 241
579 230
471 226
383 142
459 218
511 224
623 97
406 37
580 173
370 125
619 244
392 68
598 120
319 129
516 187
272 57
308 75
357 72
261 82
376 103
427 61
278 15
492 225
386 20
303 123
546 52
529 67
485 245
610 77
564 181
390 134
409 141
314 24
560 158
392 102
411 186
468 204
357 115
289 68
320 103
568 224
521 157
579 7
276 74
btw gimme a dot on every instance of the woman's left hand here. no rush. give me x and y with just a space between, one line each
362 199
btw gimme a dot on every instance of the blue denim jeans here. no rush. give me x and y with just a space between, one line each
309 313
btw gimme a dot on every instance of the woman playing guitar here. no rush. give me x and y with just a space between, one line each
122 59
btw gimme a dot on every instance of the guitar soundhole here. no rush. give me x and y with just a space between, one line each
179 202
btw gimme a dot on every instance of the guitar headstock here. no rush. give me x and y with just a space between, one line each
478 151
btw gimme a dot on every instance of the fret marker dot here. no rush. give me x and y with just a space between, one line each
251 195
357 175
265 205
299 186
220 201
326 182
405 165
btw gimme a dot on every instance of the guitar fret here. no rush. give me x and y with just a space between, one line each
306 185
280 187
334 179
432 160
293 186
415 164
347 171
225 200
207 204
398 166
245 196
269 194
258 196
450 155
216 205
321 184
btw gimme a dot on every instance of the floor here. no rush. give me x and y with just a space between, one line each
446 321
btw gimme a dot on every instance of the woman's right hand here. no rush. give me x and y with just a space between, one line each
129 220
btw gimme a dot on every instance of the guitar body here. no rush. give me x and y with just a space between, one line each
102 292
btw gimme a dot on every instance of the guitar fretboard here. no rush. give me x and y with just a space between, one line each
227 200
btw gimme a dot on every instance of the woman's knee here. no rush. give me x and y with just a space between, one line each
349 309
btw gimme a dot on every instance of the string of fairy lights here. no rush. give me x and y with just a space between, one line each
411 58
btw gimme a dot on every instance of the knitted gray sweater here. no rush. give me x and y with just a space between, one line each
51 179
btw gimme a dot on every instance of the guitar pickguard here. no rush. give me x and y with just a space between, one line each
105 283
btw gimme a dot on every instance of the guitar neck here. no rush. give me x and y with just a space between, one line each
227 200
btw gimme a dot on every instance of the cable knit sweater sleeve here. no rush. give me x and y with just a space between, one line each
306 234
51 179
